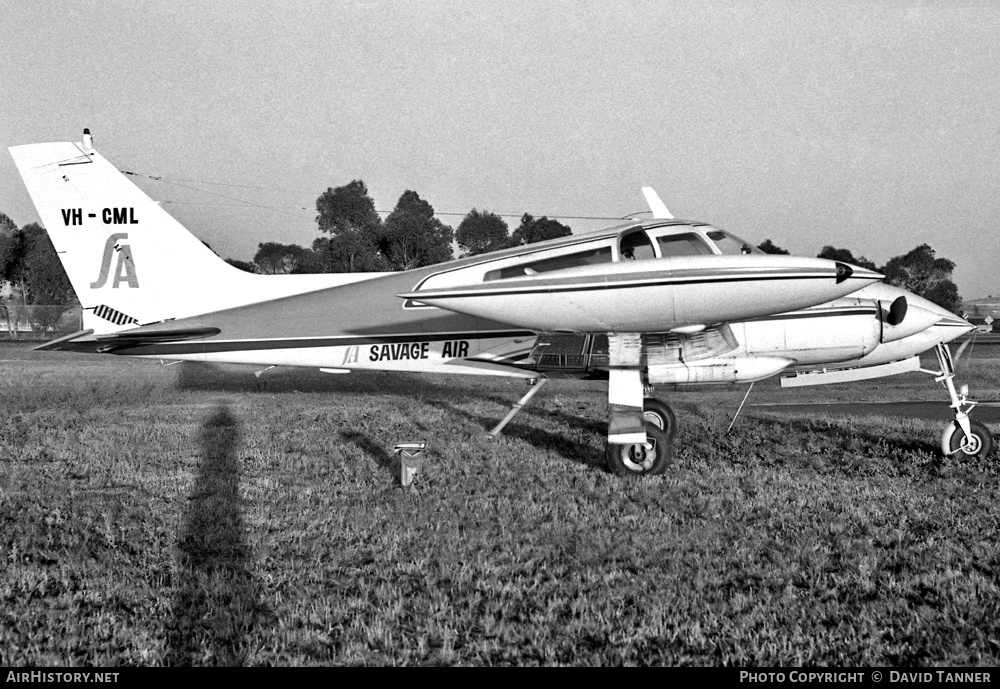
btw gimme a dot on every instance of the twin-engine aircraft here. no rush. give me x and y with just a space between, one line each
659 302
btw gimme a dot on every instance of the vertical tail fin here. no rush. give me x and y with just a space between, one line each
656 205
128 260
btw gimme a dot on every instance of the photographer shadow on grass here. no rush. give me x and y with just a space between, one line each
215 601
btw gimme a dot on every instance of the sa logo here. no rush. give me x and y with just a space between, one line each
124 269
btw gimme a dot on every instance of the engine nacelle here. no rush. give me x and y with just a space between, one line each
840 331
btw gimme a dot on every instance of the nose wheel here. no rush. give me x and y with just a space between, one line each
977 442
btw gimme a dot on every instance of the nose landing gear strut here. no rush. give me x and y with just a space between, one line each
963 436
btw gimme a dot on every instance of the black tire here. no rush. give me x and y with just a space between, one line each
650 459
660 415
955 444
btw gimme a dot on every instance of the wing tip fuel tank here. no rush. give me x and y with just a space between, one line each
655 294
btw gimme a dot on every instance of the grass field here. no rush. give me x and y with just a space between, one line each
180 516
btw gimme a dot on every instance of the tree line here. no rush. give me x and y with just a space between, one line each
354 238
920 271
31 275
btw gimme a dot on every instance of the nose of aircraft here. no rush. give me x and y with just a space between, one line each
952 326
845 271
923 322
855 276
915 320
924 315
949 325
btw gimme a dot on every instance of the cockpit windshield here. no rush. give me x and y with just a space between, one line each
687 244
731 245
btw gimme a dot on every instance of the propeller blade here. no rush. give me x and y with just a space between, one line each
897 311
968 341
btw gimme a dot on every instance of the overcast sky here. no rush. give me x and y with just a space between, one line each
870 125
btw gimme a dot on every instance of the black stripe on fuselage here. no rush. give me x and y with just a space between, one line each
796 315
217 346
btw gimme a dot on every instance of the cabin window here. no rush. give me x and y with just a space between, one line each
674 245
732 245
580 258
636 247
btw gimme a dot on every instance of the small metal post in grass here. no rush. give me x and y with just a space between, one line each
411 461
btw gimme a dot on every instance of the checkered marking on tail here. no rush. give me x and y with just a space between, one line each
110 314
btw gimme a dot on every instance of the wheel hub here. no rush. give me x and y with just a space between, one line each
639 457
972 444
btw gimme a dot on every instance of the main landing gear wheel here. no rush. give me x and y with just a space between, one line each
955 443
660 415
649 459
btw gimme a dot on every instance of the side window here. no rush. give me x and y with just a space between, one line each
580 258
673 245
636 247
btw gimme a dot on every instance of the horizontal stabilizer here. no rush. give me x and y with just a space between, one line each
85 341
151 336
57 345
